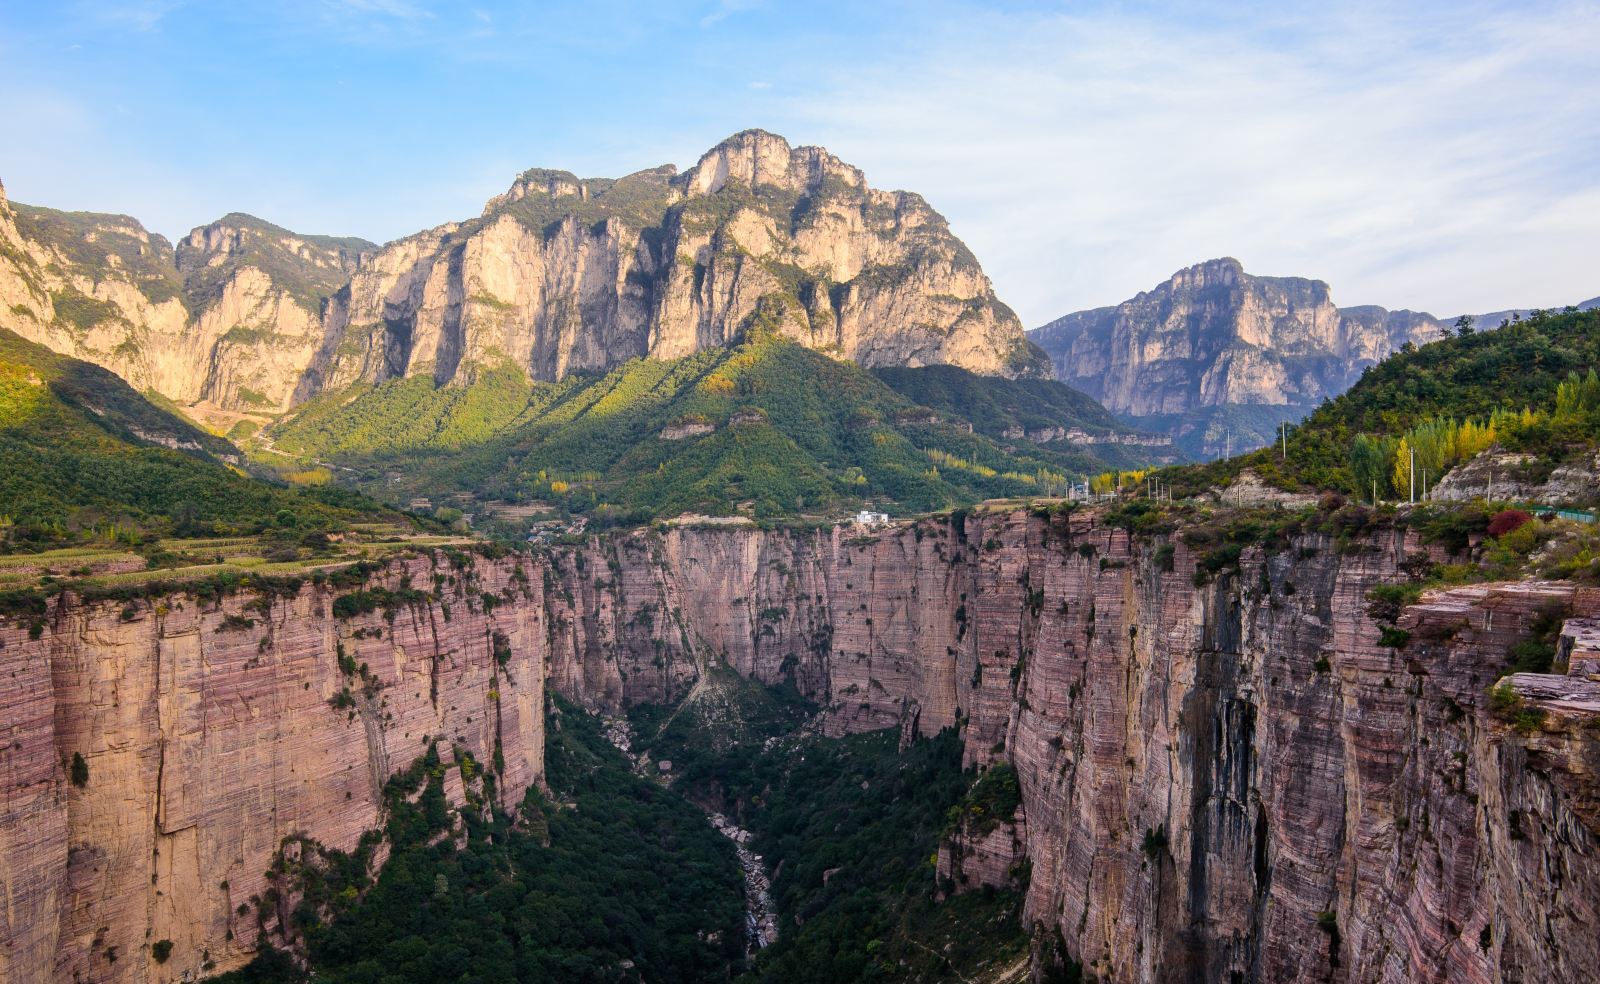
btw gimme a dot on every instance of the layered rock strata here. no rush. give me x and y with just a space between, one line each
1504 476
1329 808
1226 777
157 754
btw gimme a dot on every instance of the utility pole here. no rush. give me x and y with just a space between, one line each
1413 476
1283 429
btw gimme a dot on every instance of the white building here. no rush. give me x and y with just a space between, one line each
871 519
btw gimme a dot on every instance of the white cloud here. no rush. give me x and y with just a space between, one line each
140 15
1441 161
727 8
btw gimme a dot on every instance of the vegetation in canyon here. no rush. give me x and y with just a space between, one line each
607 878
850 827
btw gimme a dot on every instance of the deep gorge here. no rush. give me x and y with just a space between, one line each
1228 780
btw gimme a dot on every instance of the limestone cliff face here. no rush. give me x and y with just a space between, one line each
258 294
96 287
208 740
1214 336
1226 781
558 275
562 275
232 317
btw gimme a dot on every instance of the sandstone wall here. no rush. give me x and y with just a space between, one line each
1329 808
1320 807
207 743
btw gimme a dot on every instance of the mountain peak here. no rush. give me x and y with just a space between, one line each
559 275
756 157
1224 271
1222 356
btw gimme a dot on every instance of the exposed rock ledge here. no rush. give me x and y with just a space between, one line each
1511 477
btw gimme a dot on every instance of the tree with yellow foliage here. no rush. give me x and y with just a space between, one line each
1403 467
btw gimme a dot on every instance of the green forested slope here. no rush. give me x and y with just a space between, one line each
768 423
82 454
995 404
848 827
1503 380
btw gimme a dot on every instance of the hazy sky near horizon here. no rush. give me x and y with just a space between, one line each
1439 156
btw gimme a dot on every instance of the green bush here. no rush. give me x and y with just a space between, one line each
1393 638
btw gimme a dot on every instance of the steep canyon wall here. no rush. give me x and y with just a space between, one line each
1223 781
207 740
1228 781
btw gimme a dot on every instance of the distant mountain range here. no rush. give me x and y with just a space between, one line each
1218 357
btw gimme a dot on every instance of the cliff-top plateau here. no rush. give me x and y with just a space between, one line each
1243 732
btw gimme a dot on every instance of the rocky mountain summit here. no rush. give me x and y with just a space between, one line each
563 275
1215 337
1218 357
1213 334
559 275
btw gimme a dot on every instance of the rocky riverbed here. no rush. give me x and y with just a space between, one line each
760 916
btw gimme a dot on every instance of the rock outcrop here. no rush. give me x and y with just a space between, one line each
1214 337
231 317
1512 477
258 294
1221 777
559 275
562 275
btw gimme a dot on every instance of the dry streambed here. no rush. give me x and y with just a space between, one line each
760 916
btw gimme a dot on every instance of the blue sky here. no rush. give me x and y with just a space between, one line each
1440 156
